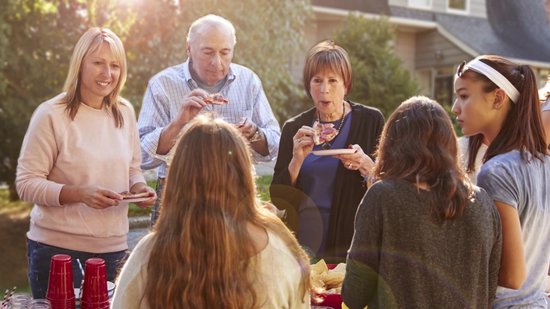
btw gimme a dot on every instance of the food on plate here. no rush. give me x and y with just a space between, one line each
324 132
319 267
129 195
216 99
328 280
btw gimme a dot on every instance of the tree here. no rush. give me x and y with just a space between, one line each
37 38
379 80
155 40
28 74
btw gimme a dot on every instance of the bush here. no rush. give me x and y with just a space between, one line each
379 80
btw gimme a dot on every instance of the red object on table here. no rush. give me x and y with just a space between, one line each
94 293
60 291
330 300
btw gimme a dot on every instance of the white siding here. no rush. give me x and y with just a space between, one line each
434 50
424 79
440 6
476 8
398 2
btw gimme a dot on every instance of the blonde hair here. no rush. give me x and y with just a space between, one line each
202 255
90 42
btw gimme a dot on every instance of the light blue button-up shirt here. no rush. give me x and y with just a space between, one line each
165 93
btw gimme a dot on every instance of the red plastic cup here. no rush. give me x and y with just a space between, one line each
94 290
60 284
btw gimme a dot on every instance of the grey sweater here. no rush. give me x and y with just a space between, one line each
401 258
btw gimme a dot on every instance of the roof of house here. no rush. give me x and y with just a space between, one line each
513 29
524 25
371 6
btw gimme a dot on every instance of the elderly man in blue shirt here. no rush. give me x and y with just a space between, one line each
179 93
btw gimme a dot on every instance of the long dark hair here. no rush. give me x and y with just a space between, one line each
523 129
418 144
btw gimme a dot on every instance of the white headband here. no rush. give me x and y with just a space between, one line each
495 76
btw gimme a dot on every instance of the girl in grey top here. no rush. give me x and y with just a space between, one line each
425 237
498 100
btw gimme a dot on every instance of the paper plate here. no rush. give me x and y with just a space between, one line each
332 152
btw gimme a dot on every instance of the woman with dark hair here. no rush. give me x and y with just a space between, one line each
424 235
320 192
214 245
498 100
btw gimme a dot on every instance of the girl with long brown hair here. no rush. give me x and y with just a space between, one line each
424 235
214 245
498 100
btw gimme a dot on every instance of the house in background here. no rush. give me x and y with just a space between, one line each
434 36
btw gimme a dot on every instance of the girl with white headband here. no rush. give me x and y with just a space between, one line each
497 104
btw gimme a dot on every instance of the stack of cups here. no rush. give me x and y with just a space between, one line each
60 285
94 291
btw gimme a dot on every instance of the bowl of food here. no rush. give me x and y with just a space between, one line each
327 279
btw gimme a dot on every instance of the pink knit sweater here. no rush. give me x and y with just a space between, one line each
88 150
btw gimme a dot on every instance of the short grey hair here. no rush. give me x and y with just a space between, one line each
210 20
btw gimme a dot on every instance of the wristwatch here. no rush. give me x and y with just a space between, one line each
256 136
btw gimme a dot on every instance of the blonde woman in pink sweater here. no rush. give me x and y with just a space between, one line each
80 152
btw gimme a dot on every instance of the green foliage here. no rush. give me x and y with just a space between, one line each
155 40
7 206
37 38
262 185
379 80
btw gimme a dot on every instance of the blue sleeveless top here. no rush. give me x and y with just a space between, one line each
316 180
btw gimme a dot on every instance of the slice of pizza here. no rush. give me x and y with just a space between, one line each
129 195
324 132
216 99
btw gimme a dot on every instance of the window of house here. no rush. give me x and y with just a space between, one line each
443 90
420 3
457 5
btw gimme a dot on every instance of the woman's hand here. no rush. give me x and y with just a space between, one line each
302 145
357 161
99 198
140 187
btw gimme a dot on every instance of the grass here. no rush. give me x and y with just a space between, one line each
14 223
12 208
262 184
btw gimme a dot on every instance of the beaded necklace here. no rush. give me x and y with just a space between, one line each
328 143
